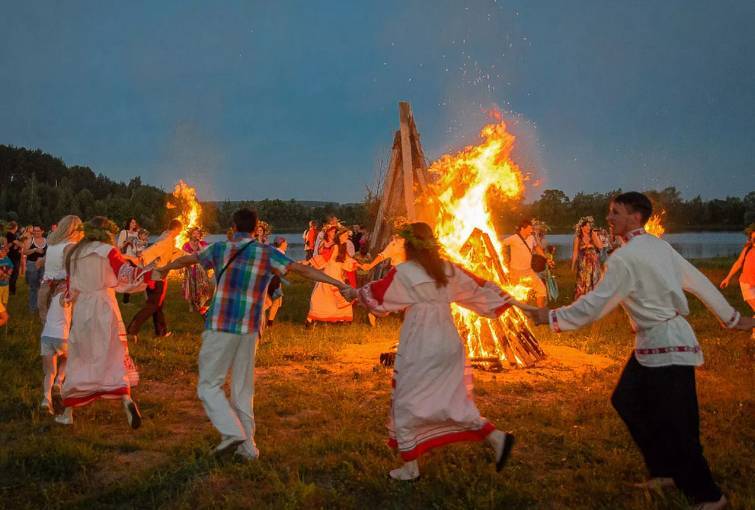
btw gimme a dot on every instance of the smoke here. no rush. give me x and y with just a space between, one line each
466 116
193 155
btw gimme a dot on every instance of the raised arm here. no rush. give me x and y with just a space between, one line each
735 267
697 283
374 262
596 240
479 295
179 263
316 275
611 290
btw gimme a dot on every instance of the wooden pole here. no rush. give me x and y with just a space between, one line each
405 113
385 201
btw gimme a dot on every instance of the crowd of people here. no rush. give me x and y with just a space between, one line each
74 274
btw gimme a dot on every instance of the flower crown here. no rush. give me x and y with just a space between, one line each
105 233
421 244
582 221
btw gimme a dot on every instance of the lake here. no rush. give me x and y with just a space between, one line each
692 245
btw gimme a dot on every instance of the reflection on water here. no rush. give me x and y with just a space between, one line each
692 245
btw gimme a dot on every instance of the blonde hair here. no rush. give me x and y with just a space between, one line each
68 229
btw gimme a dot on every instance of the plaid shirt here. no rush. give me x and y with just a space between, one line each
237 305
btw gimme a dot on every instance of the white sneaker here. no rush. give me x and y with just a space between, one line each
227 445
406 473
46 406
66 418
246 453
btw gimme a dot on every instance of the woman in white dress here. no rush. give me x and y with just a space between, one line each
432 401
326 304
57 321
99 365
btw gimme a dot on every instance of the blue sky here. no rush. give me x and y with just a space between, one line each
248 100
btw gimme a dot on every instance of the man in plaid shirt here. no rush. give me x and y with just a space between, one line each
232 325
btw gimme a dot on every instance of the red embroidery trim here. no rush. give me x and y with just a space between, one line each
664 350
634 233
116 260
453 437
380 287
498 311
82 401
554 321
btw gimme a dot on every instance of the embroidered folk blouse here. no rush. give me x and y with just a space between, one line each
647 277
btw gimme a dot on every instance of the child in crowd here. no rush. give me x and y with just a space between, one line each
142 242
274 298
6 269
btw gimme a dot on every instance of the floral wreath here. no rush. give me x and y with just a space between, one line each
540 226
266 229
105 234
421 244
582 221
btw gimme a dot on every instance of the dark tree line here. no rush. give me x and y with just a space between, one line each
36 187
283 216
561 213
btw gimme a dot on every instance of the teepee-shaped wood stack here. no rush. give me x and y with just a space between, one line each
407 195
405 182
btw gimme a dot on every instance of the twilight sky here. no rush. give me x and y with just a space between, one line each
299 99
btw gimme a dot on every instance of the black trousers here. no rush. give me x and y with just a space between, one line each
14 276
153 306
659 406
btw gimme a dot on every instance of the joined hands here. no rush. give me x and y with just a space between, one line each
348 293
538 315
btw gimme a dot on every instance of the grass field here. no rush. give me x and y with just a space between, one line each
321 402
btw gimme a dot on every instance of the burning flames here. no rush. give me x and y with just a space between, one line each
654 225
464 182
185 200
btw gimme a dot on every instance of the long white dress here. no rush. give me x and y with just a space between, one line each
99 365
326 303
432 397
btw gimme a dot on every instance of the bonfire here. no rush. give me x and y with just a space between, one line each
654 225
184 198
463 186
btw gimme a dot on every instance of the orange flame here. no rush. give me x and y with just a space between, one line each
185 199
463 184
654 225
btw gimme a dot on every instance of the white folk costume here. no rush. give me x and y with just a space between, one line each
656 394
432 397
57 323
326 303
99 365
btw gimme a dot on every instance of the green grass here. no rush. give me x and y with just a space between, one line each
321 410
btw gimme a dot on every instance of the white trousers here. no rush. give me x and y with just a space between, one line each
220 352
534 280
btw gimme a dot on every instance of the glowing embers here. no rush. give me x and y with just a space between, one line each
464 184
